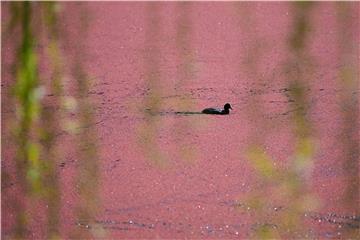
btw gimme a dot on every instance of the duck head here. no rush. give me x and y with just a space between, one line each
227 106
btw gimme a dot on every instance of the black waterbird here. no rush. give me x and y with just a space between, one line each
224 111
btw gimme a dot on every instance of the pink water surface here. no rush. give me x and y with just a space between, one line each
196 197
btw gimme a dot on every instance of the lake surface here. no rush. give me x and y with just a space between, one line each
167 175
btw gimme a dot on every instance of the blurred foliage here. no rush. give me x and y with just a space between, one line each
185 76
290 183
50 120
149 131
39 119
348 78
27 94
87 181
301 26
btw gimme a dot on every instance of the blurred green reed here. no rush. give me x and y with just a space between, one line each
253 50
27 94
348 78
260 160
149 131
50 121
290 183
185 75
39 119
87 177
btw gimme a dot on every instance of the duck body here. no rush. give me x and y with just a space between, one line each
224 111
214 111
